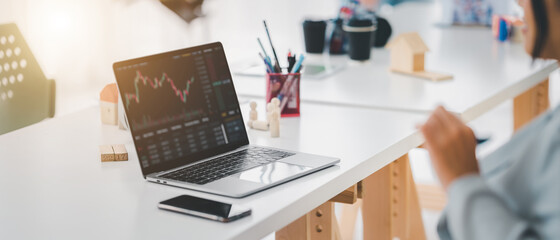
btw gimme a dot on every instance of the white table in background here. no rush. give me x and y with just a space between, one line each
486 72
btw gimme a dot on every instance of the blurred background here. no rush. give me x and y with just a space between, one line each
77 41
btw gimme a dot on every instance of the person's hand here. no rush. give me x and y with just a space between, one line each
451 145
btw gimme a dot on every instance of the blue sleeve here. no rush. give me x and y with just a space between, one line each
474 211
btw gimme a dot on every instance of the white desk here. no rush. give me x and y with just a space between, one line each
54 185
486 72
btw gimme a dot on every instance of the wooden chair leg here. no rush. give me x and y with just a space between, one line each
390 203
530 104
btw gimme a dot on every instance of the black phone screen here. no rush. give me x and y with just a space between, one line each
200 205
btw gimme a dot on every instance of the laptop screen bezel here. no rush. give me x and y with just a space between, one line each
196 156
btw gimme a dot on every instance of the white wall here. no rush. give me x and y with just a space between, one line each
76 41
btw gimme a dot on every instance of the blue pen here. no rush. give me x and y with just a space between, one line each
266 64
267 68
298 64
269 64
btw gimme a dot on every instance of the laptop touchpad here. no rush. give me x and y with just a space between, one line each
271 173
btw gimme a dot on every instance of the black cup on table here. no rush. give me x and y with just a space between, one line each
314 34
360 34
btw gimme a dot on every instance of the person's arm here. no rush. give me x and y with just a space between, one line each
474 211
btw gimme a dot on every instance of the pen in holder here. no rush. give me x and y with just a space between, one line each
285 87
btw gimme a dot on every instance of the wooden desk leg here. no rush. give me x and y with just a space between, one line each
348 218
530 104
390 207
318 224
321 222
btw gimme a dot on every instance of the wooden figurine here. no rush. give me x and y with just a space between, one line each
260 125
275 102
275 124
407 56
108 104
253 114
269 110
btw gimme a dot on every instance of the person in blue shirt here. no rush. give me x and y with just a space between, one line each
515 192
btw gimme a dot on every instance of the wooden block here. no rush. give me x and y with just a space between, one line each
360 189
107 153
348 196
115 152
436 77
120 152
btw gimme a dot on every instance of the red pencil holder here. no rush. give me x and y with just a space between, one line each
285 87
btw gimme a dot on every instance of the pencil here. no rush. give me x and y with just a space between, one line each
277 63
262 47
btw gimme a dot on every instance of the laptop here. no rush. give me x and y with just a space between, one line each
187 127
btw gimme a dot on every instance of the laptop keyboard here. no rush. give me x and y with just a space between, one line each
226 165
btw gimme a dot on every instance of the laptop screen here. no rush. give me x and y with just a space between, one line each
181 106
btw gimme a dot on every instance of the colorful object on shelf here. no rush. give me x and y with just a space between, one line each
507 28
472 12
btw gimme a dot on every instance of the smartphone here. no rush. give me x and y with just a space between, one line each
205 208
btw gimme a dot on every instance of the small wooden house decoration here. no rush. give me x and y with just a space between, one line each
108 104
407 56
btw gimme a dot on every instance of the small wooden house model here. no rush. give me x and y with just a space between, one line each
407 56
108 104
407 53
